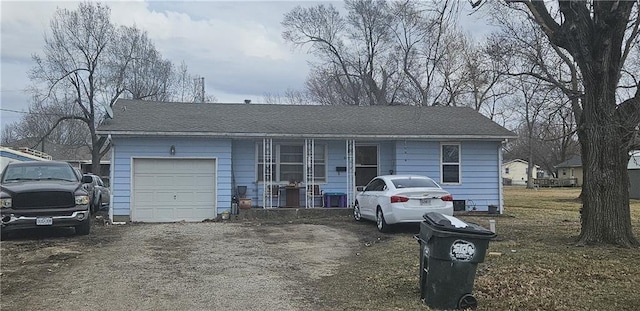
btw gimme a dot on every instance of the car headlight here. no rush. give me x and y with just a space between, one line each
5 202
82 199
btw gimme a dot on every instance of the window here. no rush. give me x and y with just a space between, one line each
289 163
376 185
413 183
450 159
506 171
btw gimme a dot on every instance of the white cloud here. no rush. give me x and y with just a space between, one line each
236 46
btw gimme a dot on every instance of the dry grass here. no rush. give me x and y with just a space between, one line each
534 264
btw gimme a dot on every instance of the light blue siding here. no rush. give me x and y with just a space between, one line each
480 181
125 149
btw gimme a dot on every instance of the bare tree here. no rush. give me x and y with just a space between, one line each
379 54
87 64
73 55
289 97
594 38
532 104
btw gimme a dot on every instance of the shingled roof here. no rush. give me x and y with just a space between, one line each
144 118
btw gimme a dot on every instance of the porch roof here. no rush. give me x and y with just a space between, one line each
149 118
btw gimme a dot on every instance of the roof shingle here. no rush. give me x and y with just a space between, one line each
136 117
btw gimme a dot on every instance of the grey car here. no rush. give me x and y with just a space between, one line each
98 192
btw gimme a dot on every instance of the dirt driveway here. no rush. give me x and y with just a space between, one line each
181 266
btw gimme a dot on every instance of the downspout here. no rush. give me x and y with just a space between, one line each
500 186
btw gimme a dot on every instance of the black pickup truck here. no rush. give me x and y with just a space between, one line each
43 194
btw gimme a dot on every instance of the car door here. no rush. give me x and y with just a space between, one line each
369 198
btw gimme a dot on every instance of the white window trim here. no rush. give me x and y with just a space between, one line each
459 163
276 161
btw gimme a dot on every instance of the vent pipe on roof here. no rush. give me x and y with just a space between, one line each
247 101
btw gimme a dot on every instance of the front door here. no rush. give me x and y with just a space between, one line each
366 164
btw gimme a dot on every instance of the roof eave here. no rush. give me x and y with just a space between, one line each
315 136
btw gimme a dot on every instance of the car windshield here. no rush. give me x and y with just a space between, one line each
401 183
38 172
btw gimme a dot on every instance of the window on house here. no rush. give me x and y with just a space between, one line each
288 163
506 171
450 159
564 172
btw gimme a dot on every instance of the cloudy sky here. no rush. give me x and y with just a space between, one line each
236 46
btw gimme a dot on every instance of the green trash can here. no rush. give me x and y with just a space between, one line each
450 250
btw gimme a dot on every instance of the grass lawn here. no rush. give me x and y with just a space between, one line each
534 263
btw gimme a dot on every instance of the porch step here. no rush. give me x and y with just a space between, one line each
293 213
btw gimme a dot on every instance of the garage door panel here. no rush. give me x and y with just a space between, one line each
168 190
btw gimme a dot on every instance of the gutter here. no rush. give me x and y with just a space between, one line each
308 136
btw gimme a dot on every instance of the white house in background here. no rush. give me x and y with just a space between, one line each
517 170
633 167
8 155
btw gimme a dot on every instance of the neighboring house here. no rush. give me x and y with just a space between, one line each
77 155
517 171
570 171
184 161
634 175
8 155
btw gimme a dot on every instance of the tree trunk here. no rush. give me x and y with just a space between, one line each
605 213
530 163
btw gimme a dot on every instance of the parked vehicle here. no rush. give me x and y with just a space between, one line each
43 194
99 194
393 199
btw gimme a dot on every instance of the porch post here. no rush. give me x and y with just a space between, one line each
309 177
351 171
267 176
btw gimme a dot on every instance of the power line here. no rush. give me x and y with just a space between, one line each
34 113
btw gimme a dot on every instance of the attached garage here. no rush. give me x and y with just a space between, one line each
173 189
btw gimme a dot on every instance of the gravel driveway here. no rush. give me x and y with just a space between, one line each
180 266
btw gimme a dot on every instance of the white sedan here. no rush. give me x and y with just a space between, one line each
392 199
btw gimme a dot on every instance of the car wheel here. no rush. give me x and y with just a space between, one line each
84 227
382 224
95 205
356 212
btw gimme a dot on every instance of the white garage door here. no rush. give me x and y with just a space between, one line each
168 190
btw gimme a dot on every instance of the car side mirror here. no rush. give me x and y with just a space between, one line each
86 179
360 188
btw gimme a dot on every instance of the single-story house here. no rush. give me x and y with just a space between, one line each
186 161
77 155
633 167
517 171
8 155
571 170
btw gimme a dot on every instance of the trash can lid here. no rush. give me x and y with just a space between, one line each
449 223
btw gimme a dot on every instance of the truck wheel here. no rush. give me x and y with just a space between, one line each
85 227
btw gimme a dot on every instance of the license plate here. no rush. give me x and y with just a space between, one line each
425 201
44 221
